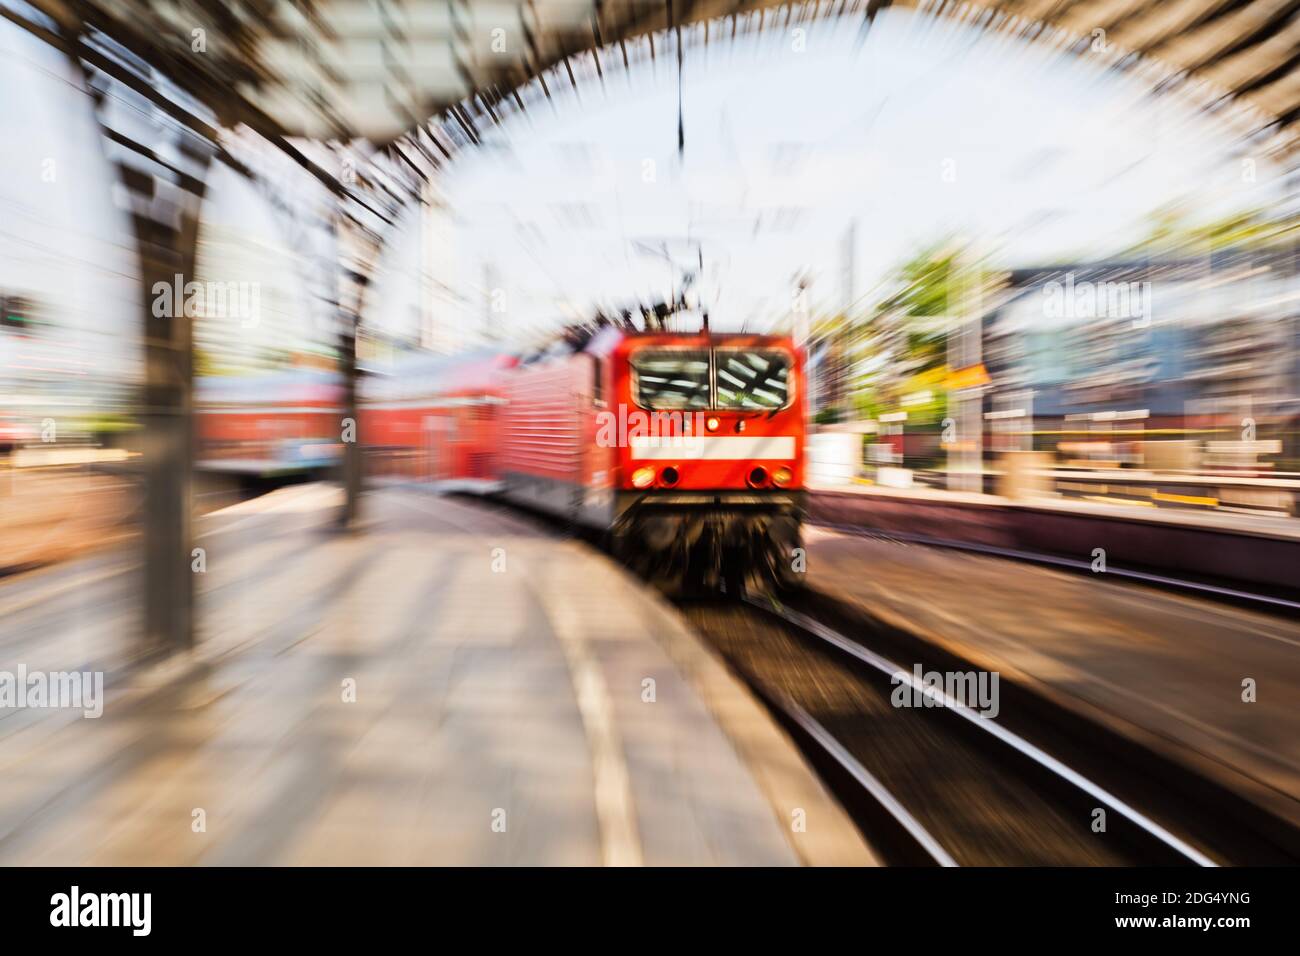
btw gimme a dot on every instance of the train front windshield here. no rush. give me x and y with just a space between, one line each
729 379
752 379
672 379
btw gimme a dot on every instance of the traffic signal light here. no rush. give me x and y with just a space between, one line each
15 312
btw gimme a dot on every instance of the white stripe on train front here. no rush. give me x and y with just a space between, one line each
712 447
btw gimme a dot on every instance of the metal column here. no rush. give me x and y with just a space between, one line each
350 461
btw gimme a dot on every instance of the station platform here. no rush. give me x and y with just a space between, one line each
57 514
1159 668
448 685
1254 553
1261 524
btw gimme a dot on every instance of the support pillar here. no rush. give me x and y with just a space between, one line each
350 461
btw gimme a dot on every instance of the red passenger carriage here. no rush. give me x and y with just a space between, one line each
436 419
268 424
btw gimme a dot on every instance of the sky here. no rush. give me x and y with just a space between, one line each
922 131
63 243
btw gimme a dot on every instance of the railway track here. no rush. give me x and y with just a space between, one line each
938 784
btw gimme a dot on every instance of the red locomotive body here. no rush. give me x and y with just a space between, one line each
720 495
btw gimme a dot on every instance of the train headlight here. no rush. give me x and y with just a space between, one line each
783 476
711 423
643 478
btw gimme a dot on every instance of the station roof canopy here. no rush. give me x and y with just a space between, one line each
376 69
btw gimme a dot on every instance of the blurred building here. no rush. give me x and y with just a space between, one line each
53 371
1217 336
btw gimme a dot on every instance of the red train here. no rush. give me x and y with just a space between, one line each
270 424
436 419
687 449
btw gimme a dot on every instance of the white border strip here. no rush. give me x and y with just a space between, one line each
712 447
